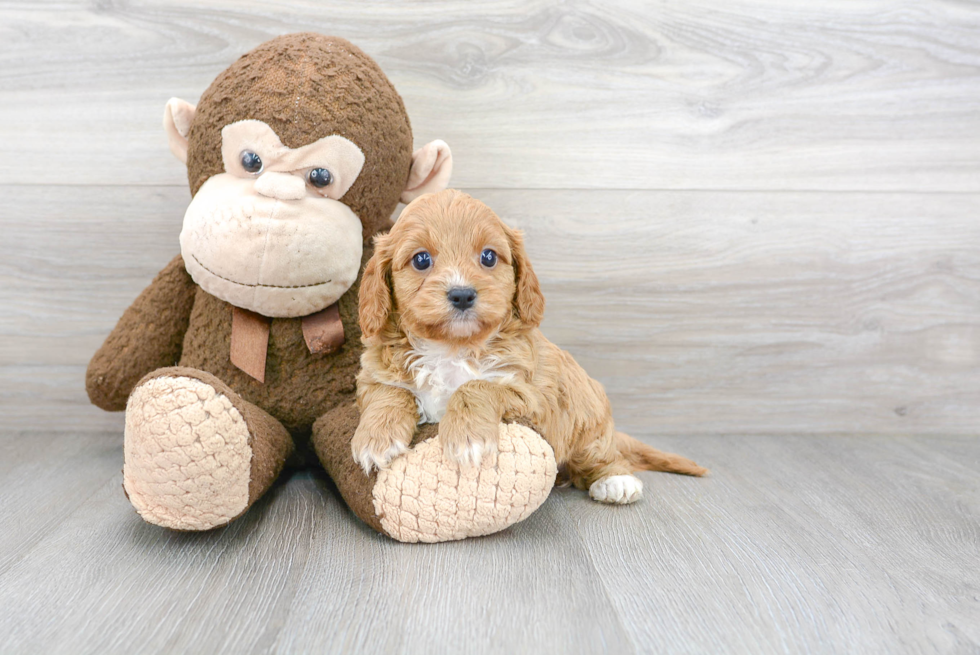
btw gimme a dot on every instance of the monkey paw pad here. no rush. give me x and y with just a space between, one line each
187 454
617 489
423 496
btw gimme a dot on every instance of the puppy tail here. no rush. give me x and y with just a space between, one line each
646 458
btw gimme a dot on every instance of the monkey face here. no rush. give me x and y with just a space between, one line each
280 230
271 234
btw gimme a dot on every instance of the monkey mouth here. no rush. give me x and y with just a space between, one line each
262 286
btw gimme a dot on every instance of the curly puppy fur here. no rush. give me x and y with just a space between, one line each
470 365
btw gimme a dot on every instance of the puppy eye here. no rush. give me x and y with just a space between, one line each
251 162
320 177
488 258
421 261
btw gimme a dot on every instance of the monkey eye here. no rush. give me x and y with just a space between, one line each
320 177
421 261
251 162
488 258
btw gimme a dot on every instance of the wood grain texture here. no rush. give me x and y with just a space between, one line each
800 545
794 544
298 574
719 313
860 95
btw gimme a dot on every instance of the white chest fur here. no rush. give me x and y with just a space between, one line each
438 372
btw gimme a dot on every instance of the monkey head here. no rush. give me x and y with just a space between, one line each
296 155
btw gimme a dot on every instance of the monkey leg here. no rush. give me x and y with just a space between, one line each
196 454
421 496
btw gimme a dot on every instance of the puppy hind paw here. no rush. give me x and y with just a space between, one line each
617 489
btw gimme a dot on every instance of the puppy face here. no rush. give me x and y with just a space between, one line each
450 271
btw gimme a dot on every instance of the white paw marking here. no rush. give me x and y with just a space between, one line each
617 489
470 454
369 459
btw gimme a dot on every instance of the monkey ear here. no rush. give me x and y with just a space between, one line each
432 165
374 303
528 299
177 118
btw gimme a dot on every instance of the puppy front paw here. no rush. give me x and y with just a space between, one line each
465 441
376 448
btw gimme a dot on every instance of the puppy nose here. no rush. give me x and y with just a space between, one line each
462 297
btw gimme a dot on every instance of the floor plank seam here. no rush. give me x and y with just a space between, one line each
588 553
54 523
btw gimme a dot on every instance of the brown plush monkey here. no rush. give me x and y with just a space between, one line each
242 353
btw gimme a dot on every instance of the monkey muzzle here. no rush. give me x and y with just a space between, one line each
277 257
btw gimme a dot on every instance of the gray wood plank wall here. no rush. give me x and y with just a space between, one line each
748 217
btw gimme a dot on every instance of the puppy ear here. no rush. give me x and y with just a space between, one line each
528 299
374 303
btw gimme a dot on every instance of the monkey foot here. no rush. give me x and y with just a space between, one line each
187 454
422 496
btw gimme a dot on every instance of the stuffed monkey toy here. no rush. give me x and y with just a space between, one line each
242 353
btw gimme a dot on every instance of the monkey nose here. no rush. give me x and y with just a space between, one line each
281 186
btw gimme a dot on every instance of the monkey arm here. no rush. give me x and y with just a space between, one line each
148 336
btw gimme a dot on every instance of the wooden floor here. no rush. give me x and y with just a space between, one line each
758 224
795 544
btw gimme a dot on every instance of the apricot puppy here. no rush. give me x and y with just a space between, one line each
449 311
